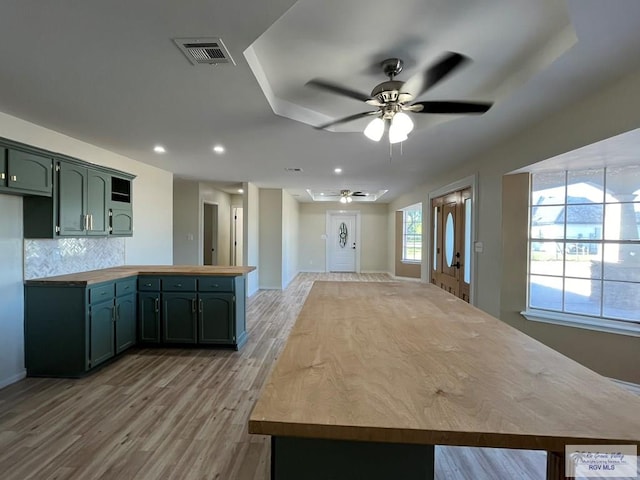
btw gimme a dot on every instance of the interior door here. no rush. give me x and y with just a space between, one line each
451 241
210 234
237 235
342 243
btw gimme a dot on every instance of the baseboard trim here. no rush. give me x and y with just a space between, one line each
406 279
5 382
633 387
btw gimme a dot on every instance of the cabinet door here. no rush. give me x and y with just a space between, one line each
101 316
29 172
72 198
149 317
125 322
3 167
215 318
98 194
121 221
179 317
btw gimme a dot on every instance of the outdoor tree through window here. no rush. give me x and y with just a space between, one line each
412 233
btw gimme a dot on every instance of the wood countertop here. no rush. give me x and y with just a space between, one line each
410 363
115 273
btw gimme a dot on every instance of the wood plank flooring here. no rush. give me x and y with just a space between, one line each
182 413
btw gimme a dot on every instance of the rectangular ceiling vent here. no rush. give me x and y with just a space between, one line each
204 51
293 169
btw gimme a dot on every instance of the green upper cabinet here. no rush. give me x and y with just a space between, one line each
83 194
25 173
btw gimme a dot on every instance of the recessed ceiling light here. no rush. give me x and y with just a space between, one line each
321 193
337 170
240 190
218 149
159 149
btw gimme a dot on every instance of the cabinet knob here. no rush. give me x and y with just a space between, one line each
147 284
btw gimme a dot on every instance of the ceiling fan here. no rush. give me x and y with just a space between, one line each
346 195
392 98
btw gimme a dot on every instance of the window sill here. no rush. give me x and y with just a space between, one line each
411 262
579 321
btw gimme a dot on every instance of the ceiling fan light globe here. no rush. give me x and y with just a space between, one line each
343 199
403 122
396 134
349 199
375 129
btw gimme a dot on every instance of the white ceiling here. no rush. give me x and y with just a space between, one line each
108 73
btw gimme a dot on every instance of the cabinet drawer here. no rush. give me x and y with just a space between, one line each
215 284
148 284
101 293
125 286
178 284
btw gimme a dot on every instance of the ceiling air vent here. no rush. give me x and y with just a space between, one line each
204 51
293 169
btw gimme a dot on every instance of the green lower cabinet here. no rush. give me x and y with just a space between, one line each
125 322
179 323
149 317
101 331
215 318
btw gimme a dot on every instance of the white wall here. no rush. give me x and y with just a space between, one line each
290 227
11 292
374 242
151 243
251 232
271 238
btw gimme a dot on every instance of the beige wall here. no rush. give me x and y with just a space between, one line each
251 232
373 241
408 270
270 238
613 110
290 227
151 242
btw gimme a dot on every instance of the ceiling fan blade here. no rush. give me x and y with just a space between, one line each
350 118
423 81
340 90
450 107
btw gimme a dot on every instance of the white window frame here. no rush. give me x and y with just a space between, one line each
412 208
555 317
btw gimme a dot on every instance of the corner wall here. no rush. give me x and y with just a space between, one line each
251 233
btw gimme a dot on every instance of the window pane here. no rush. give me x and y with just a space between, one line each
623 184
548 188
586 186
412 235
579 262
546 258
584 221
545 292
547 222
449 240
622 262
622 300
582 296
622 221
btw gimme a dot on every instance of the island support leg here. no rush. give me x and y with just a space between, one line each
319 459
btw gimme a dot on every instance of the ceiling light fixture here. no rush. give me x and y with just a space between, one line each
219 149
240 190
345 196
337 170
159 149
400 126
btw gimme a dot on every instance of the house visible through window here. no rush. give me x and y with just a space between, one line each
584 245
412 233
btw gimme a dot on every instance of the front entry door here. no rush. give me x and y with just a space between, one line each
342 243
451 237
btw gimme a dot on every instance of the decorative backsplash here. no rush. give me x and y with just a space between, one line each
45 258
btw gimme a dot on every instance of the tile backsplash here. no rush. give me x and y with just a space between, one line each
45 258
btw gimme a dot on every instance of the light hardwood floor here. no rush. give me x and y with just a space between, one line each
182 413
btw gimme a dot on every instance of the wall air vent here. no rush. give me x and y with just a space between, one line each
293 169
204 51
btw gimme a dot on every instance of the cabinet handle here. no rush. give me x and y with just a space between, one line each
91 221
85 222
215 285
193 305
157 304
2 176
200 305
117 311
113 314
14 178
147 284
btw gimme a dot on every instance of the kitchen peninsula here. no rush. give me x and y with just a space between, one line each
373 375
76 322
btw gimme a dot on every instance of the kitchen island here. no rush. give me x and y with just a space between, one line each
76 322
374 375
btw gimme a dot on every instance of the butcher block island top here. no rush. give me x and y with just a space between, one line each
115 273
410 363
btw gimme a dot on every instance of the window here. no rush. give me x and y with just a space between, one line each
412 234
584 246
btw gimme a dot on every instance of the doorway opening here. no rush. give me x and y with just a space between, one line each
236 236
210 234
